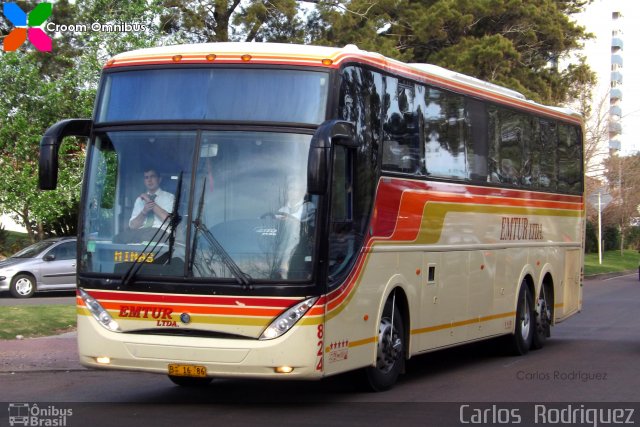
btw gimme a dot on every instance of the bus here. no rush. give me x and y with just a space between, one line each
327 210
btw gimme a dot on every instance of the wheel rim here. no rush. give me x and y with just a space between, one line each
24 286
389 346
525 319
544 309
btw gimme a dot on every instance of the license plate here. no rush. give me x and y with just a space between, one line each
178 370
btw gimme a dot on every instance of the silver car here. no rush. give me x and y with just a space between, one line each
44 266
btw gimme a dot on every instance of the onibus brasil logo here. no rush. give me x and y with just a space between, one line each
27 26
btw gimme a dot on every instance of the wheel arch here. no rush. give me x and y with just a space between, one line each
397 286
27 273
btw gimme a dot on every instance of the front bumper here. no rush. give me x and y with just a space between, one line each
222 357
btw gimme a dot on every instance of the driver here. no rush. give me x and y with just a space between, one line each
153 206
296 206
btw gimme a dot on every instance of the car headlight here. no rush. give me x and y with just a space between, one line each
286 320
99 313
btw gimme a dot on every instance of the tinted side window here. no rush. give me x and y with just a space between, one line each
544 156
510 140
401 150
569 159
64 251
446 134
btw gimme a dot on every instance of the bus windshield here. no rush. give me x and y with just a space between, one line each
226 94
216 205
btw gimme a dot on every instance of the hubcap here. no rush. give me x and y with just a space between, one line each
525 321
389 347
24 286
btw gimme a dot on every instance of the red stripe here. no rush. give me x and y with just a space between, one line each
193 299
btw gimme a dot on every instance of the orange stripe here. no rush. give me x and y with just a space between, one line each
462 323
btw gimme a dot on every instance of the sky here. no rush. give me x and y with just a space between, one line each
597 20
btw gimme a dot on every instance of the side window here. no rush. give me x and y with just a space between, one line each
544 156
64 251
344 236
510 136
446 134
569 159
401 150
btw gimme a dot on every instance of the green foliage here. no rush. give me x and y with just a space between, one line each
514 43
591 238
632 239
611 237
612 261
13 243
39 89
4 234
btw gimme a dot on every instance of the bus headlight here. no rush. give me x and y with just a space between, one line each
286 320
99 313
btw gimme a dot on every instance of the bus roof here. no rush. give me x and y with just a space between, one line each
330 57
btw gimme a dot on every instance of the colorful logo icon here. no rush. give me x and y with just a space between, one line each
27 26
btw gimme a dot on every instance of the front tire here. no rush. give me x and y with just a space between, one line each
391 346
522 339
23 286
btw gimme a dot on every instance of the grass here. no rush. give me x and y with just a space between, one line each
36 320
612 261
13 242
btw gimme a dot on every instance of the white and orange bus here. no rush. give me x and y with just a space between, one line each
325 210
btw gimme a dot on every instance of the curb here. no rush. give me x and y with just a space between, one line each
610 275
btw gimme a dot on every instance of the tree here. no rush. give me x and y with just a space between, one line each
30 103
42 88
200 21
623 176
515 43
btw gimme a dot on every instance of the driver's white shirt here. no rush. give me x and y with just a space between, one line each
164 199
303 212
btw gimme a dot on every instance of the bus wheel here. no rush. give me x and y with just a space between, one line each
390 355
544 316
521 340
190 381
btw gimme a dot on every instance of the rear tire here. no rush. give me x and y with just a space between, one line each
190 381
522 339
390 358
544 317
23 286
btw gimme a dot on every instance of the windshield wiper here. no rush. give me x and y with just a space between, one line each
174 220
241 276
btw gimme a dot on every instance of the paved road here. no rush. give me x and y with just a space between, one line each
592 357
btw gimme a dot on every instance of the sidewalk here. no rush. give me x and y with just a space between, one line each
56 353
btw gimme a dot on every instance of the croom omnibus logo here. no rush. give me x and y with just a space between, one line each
27 26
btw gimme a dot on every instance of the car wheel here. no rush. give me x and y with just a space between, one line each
23 286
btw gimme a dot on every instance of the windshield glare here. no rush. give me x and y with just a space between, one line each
239 199
33 250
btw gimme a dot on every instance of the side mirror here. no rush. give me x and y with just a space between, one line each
49 257
50 144
329 133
